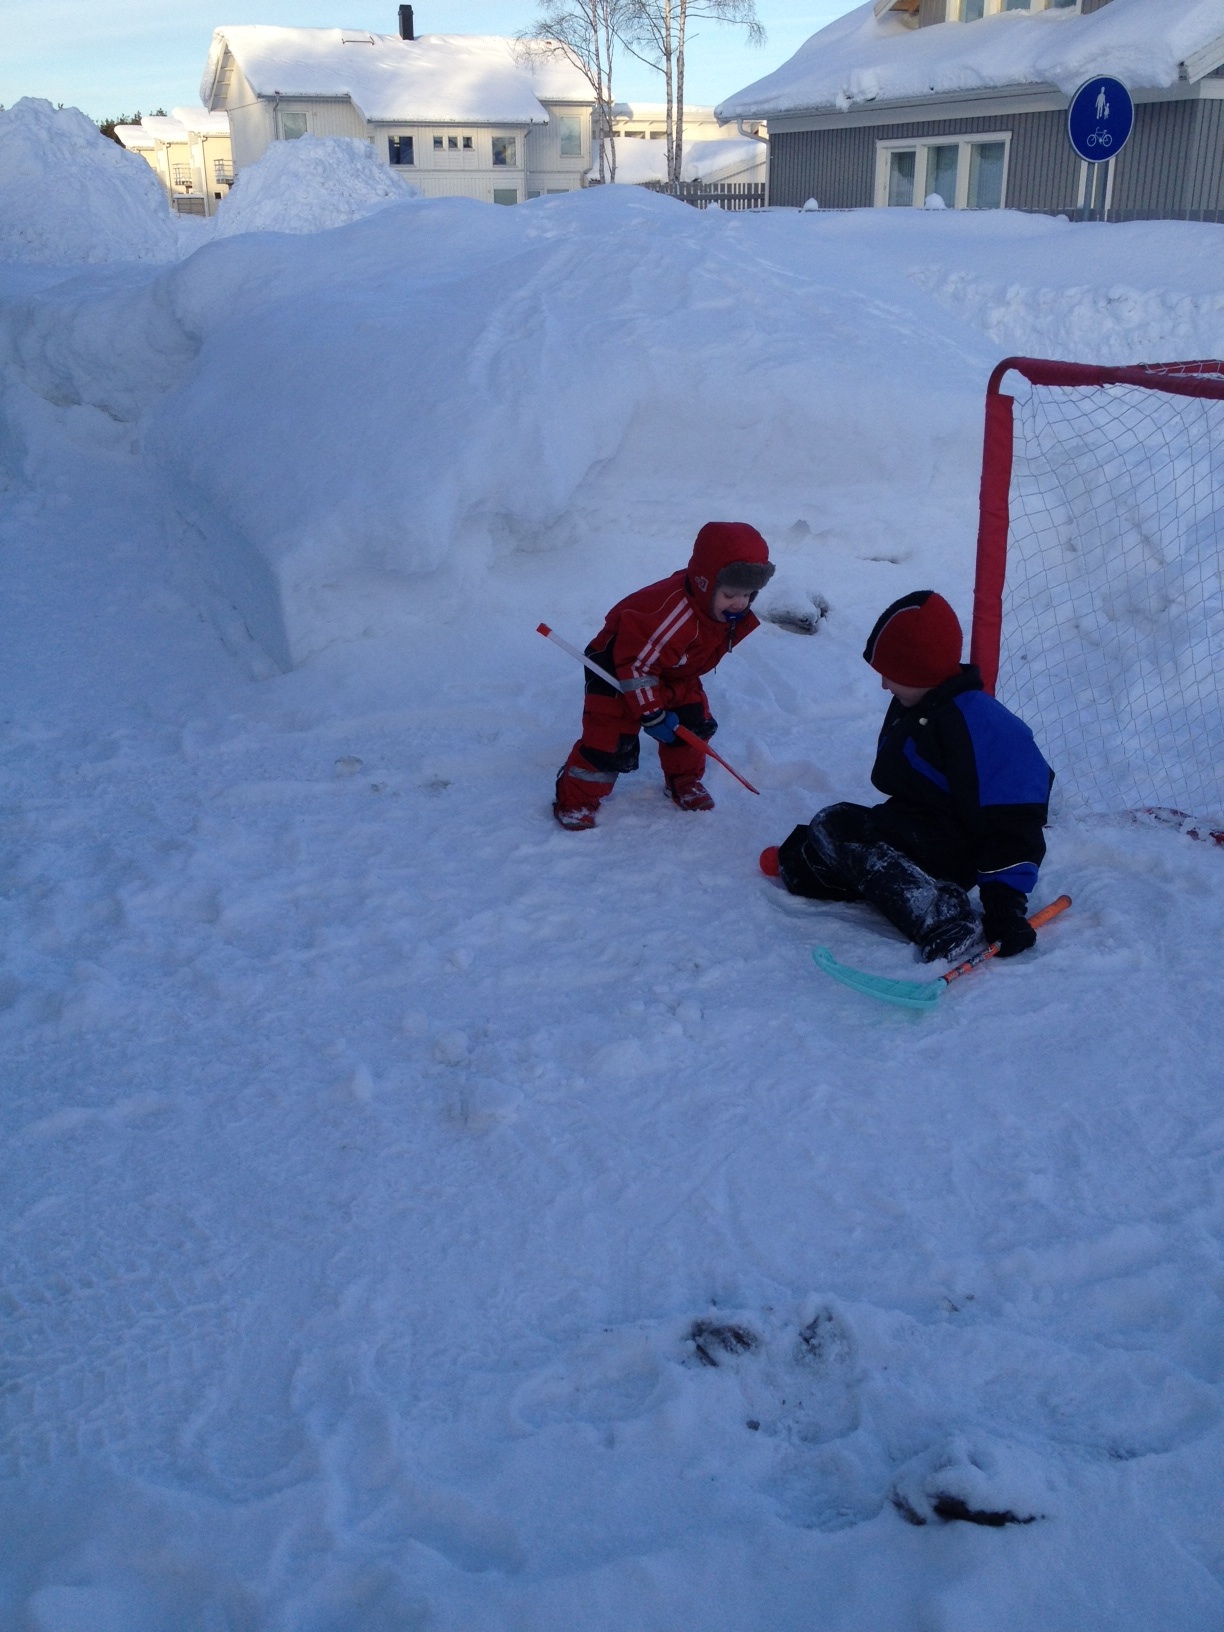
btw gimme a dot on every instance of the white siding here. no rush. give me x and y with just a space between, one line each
325 118
250 121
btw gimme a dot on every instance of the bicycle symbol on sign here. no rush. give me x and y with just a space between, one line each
1100 138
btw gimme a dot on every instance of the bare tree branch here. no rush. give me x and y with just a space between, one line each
587 33
657 32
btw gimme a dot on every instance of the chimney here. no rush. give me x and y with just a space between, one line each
406 23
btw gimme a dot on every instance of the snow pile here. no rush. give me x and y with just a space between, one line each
310 185
861 58
443 78
439 384
67 194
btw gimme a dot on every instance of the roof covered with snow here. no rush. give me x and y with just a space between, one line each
134 138
160 127
703 160
861 59
438 78
200 122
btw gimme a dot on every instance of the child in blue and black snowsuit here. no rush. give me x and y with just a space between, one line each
968 796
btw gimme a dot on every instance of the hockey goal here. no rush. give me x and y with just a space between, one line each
1098 611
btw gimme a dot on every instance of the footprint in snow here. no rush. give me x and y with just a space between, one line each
801 1385
974 1480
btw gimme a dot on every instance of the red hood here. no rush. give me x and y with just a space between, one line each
717 545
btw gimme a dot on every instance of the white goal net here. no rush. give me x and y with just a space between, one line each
1111 643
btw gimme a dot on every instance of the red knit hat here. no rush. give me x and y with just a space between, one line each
916 641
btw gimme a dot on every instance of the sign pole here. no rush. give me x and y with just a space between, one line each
1100 119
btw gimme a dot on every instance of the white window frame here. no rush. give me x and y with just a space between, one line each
921 145
994 7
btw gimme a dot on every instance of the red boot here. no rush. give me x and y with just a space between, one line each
689 793
577 818
579 793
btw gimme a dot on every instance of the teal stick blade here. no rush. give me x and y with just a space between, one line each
908 994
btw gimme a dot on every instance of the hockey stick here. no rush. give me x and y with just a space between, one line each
920 994
690 737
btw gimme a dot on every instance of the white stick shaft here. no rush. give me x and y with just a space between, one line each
608 679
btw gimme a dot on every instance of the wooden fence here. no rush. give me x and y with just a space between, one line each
726 195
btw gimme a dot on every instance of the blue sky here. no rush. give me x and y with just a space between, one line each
115 56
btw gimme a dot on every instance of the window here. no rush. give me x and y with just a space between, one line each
901 167
452 144
942 166
569 136
505 195
399 150
467 144
439 144
505 154
293 125
182 176
970 174
986 161
969 11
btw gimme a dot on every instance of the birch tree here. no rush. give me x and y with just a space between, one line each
587 32
657 31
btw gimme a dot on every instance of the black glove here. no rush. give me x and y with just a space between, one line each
1003 920
661 725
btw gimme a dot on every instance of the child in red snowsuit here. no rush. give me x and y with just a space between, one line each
657 643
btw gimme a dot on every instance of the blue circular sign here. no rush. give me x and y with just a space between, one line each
1100 119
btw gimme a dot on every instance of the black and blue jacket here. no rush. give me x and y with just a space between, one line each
965 768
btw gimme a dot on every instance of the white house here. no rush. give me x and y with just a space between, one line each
190 150
711 153
476 116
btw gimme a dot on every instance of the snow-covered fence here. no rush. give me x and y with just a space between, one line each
727 195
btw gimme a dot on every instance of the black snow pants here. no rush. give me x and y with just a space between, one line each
907 865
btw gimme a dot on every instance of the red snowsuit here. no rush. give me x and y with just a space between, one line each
661 640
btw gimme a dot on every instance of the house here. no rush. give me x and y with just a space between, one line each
967 99
475 116
190 150
711 154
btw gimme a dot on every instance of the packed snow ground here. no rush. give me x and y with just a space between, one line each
373 1146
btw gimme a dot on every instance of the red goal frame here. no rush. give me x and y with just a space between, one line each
1202 378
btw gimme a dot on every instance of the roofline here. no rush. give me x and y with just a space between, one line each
997 99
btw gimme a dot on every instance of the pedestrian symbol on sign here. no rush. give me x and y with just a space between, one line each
1100 119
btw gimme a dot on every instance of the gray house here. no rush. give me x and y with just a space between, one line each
967 99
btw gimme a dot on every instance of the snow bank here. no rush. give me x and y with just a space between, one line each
310 185
861 58
67 194
621 364
341 416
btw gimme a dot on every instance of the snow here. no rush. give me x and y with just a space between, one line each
860 59
381 1161
452 78
643 160
68 194
201 122
310 185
